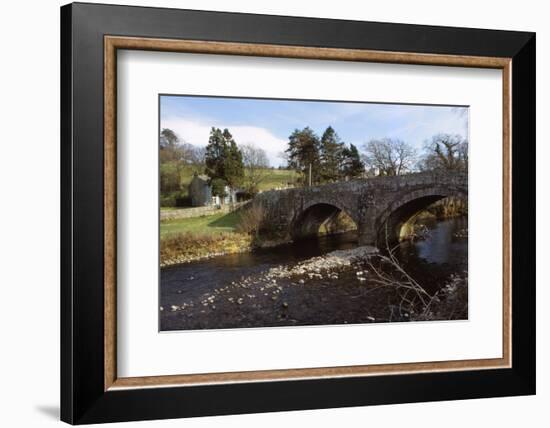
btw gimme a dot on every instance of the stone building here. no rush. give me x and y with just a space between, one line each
200 193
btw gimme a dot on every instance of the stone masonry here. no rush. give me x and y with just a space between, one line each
377 205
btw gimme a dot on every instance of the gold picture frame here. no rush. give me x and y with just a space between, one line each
114 43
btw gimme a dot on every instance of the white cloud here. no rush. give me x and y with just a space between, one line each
420 125
197 133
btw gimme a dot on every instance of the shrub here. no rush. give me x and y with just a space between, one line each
170 177
168 199
175 199
449 207
183 200
251 219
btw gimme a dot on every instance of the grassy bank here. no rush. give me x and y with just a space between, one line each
206 225
188 246
189 239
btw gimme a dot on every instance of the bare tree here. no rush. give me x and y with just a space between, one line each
284 157
446 152
194 155
255 164
415 302
173 148
389 156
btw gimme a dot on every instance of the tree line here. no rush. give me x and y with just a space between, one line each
389 156
222 160
317 160
322 160
328 159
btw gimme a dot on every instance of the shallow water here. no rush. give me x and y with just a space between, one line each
230 292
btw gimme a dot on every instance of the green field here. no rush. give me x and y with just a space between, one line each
206 225
272 178
277 178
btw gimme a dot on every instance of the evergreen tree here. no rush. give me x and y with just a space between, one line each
234 167
331 151
216 153
224 161
303 154
218 187
353 167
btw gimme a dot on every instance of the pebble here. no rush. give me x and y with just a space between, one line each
313 267
322 267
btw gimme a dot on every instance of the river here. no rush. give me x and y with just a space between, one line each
231 291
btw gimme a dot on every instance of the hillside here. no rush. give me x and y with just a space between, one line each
273 178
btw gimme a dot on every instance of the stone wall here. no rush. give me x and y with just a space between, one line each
199 211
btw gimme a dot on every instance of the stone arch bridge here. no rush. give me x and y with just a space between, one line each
377 205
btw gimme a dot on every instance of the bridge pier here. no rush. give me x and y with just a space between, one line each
366 232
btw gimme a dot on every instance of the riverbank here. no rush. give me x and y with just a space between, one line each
271 295
200 238
192 239
322 281
186 240
188 247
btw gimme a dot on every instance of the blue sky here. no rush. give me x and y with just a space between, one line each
267 123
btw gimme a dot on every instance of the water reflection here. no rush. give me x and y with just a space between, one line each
442 246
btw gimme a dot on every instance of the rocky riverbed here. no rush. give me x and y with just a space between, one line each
325 281
283 295
326 266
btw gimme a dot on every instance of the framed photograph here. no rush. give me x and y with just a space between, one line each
266 213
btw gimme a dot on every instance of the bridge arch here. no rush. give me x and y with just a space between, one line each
391 221
371 203
315 214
